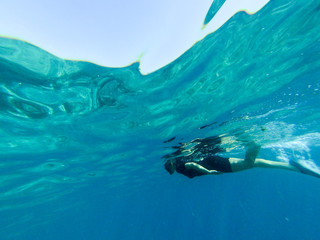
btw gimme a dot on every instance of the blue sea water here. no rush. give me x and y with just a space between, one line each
82 146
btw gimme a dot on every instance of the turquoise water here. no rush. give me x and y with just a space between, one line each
82 145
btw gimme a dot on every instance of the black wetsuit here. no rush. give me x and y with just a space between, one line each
214 162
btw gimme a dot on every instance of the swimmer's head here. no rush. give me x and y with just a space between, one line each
170 166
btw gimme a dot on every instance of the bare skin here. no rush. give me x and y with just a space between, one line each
238 164
198 167
251 161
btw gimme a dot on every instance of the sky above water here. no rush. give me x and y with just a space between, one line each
116 33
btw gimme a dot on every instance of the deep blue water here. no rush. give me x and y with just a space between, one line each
82 145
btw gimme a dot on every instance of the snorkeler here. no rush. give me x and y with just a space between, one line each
214 164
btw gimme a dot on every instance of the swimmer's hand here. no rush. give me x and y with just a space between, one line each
215 172
198 167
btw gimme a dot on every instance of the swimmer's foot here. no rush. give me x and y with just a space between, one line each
306 168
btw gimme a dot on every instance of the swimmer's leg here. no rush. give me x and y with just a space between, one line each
238 164
251 161
297 166
252 154
263 163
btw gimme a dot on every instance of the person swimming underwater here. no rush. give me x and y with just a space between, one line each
214 164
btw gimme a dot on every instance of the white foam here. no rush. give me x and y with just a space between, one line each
298 148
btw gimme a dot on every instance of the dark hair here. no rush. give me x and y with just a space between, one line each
170 166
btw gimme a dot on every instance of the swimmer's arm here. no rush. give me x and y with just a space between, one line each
198 167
